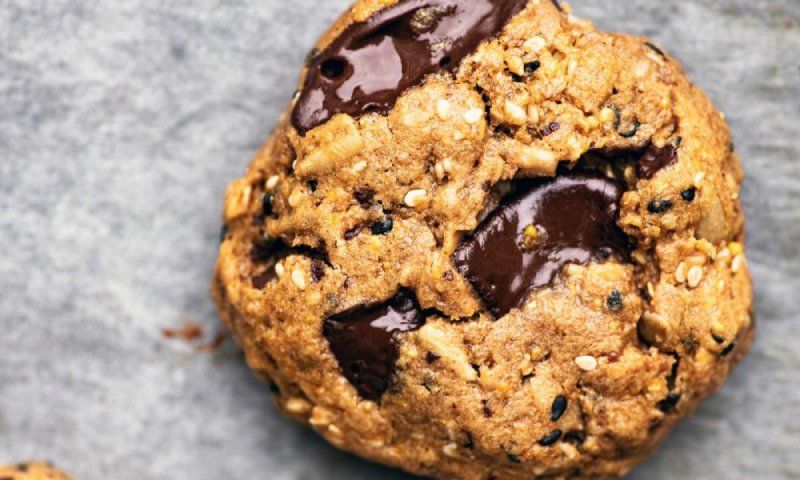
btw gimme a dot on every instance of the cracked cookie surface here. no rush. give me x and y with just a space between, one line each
525 261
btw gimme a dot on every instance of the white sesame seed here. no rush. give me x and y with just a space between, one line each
359 166
695 276
415 198
698 179
442 108
473 115
297 405
680 273
586 363
279 270
272 182
451 450
299 278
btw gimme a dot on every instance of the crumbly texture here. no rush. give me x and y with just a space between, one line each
32 471
632 347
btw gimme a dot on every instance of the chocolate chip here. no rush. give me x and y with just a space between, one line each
551 128
366 69
266 204
614 301
432 357
550 439
659 206
575 217
317 270
689 194
353 232
364 341
654 159
382 226
364 197
558 408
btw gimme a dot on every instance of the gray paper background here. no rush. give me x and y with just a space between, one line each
121 121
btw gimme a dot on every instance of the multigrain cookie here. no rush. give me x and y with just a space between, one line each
487 241
32 471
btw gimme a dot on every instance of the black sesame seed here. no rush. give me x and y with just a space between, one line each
382 227
312 185
717 338
517 78
274 388
614 301
689 194
633 131
550 438
558 408
514 458
364 197
669 403
659 206
223 232
311 56
531 67
352 233
678 141
655 48
266 204
727 351
550 129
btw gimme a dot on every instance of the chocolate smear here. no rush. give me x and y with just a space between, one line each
547 224
373 62
655 159
364 340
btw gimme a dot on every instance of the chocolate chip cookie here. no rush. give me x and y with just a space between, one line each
487 241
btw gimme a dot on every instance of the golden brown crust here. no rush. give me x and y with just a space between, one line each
480 411
32 471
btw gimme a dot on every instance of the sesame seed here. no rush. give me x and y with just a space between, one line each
279 270
359 166
727 351
266 204
297 405
698 179
382 227
535 45
680 273
451 450
550 438
416 198
442 108
689 194
516 114
586 363
558 408
659 206
472 116
695 276
614 301
513 458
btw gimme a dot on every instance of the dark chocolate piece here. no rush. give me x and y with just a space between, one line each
363 340
523 245
372 63
655 159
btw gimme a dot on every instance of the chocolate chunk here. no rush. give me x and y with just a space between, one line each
363 340
655 159
373 62
523 245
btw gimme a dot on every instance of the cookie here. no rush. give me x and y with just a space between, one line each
487 241
32 471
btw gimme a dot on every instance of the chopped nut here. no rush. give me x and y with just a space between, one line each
451 450
359 166
416 198
442 108
534 44
736 248
516 114
272 182
586 363
297 405
680 273
473 115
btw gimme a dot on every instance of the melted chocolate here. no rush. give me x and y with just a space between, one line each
363 341
655 159
575 218
371 63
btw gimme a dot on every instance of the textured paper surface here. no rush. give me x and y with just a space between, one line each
121 121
